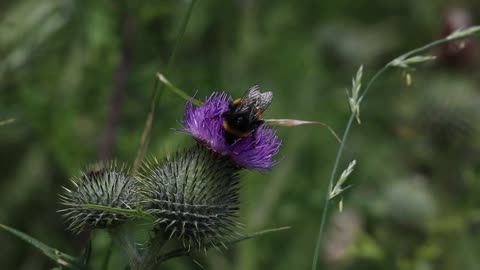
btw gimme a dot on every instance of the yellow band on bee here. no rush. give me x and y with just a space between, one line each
237 101
234 132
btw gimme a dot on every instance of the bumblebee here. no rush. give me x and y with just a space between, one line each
244 114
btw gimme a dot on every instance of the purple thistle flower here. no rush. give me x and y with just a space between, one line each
205 124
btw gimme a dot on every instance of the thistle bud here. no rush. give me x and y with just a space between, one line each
193 196
103 185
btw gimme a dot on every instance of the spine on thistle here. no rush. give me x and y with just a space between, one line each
193 195
103 184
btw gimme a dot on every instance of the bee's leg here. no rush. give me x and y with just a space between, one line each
230 138
226 114
216 116
254 135
259 123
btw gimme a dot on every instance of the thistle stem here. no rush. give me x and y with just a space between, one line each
108 255
121 238
350 121
152 254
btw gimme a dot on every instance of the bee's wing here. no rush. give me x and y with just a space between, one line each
253 93
260 100
264 101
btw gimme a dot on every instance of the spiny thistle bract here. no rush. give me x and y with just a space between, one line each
104 184
193 196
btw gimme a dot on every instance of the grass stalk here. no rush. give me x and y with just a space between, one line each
469 32
158 91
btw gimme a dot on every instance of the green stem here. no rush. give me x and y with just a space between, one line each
349 125
330 185
108 255
6 122
121 238
408 54
150 259
158 91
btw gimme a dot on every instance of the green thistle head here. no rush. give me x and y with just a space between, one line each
103 185
193 196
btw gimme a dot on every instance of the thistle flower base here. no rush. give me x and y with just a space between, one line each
193 195
104 185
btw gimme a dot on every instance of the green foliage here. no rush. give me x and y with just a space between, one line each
415 199
62 259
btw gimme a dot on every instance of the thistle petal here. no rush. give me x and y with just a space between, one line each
205 124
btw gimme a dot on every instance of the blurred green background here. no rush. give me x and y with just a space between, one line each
77 77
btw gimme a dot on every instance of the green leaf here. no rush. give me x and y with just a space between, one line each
130 212
255 234
406 63
179 92
6 122
463 33
61 258
186 251
338 188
